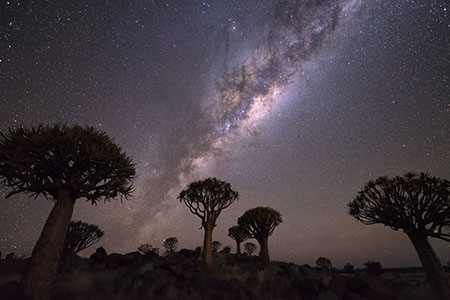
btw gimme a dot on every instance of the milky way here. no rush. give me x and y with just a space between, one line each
247 89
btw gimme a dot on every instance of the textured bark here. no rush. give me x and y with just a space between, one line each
207 246
264 253
43 267
238 248
437 277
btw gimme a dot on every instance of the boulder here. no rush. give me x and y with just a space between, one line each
176 269
338 285
353 296
99 255
159 277
371 287
124 259
170 291
187 253
327 296
235 284
133 257
310 280
11 291
146 268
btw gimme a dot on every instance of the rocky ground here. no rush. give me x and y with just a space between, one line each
182 276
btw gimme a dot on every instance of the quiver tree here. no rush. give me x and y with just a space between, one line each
170 244
259 223
145 249
418 204
324 263
238 234
206 199
348 268
62 163
374 267
216 246
80 236
249 248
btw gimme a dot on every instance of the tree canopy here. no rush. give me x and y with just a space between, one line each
237 233
324 263
170 244
81 236
249 248
413 202
45 159
207 198
260 222
419 204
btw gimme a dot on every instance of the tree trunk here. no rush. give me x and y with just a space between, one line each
43 266
264 253
207 246
238 248
437 277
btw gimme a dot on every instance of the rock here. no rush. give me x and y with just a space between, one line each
235 284
328 296
338 285
353 296
146 268
159 262
176 269
99 255
159 277
119 259
310 279
292 271
11 291
326 278
188 274
174 259
194 293
371 287
170 291
137 285
310 273
10 256
133 257
187 253
115 258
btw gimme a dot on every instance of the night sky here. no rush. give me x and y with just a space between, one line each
296 103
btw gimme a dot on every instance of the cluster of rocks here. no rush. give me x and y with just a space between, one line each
183 276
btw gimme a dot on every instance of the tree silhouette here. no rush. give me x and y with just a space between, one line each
145 249
249 248
80 236
348 268
206 199
170 244
259 223
419 204
238 234
62 163
324 263
216 246
226 250
373 267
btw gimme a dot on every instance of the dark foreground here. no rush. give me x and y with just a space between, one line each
182 276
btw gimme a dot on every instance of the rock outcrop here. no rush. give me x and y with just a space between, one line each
181 275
